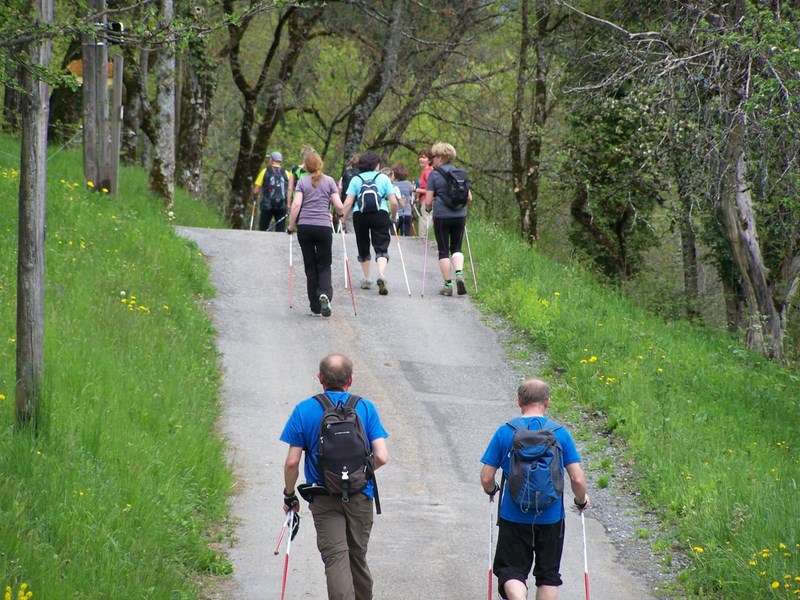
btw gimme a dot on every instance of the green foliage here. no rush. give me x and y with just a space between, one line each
117 494
611 174
708 427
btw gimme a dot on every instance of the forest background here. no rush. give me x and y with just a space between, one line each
653 142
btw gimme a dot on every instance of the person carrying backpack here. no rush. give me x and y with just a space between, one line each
370 195
310 216
533 453
344 182
404 198
272 188
447 193
344 442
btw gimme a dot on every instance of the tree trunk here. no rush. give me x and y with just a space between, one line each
525 135
691 286
252 151
765 326
12 100
30 251
162 171
199 86
372 94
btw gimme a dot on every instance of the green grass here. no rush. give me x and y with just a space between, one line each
118 495
710 429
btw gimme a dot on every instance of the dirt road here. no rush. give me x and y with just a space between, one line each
442 384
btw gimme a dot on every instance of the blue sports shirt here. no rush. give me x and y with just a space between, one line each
302 429
498 455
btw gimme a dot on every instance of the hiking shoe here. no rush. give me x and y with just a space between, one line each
366 284
313 314
382 286
447 290
460 285
325 311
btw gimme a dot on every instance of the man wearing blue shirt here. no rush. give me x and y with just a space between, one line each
374 226
343 528
530 538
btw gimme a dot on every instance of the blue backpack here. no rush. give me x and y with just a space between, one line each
536 476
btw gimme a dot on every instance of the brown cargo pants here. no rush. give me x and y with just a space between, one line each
343 530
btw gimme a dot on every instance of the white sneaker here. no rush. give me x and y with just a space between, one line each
382 286
366 284
325 311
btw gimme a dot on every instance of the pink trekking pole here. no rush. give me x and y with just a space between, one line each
291 516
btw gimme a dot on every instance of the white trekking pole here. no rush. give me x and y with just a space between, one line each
402 262
491 543
348 280
291 272
471 264
585 559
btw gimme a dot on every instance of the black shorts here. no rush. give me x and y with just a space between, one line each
521 546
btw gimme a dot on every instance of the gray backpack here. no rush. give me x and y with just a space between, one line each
536 477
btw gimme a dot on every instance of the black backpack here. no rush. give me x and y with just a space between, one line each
457 187
273 190
344 460
347 175
369 198
536 477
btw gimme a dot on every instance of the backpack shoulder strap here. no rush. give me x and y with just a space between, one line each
352 401
511 424
324 401
552 426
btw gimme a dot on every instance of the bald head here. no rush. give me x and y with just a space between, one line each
335 371
533 391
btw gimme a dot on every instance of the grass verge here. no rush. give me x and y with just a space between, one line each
116 495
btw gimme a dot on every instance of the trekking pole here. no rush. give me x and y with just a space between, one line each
425 261
348 279
471 264
402 262
291 272
275 224
253 214
290 520
280 537
585 559
491 543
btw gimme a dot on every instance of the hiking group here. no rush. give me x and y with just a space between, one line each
372 203
341 440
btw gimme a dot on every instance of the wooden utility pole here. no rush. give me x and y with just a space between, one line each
32 203
116 124
96 126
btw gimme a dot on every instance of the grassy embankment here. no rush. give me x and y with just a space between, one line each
118 495
711 429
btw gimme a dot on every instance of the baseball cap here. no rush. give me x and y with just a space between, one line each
276 156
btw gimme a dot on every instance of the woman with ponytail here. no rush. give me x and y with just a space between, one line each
311 218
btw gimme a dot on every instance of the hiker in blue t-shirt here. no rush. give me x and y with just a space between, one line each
520 531
372 224
343 528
